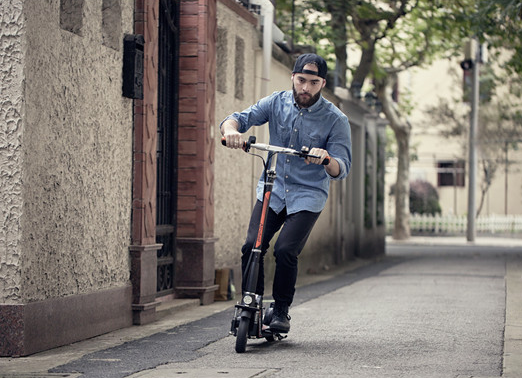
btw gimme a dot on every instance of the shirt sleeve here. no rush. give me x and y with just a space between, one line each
339 146
255 115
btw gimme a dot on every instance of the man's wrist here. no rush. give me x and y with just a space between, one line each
229 124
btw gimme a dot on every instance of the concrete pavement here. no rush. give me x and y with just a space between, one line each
380 296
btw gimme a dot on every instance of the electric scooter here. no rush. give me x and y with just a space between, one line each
251 320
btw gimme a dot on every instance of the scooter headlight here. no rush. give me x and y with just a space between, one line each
247 299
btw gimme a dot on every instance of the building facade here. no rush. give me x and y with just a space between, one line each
442 161
116 194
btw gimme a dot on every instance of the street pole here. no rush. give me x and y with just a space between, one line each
471 232
506 179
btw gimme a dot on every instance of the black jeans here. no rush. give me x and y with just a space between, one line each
295 231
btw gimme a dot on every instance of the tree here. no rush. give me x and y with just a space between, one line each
395 35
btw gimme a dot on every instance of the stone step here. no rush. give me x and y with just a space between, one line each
174 306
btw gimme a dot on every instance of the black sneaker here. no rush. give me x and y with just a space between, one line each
280 319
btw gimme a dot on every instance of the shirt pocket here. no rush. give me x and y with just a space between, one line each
281 136
306 140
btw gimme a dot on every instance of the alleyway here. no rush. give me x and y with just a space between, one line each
422 311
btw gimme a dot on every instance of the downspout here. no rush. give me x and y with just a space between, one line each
267 13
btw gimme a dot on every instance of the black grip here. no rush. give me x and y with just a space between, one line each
224 143
326 161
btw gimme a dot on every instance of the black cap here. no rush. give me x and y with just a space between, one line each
305 59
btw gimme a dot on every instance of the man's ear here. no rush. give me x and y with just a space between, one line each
324 83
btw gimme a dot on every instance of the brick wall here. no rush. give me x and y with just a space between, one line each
145 128
196 118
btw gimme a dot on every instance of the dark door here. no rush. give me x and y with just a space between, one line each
167 164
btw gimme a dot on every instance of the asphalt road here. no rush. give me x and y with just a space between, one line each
422 311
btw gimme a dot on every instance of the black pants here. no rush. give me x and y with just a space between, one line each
295 231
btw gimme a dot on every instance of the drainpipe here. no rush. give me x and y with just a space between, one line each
267 13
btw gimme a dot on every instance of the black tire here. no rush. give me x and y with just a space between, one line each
242 334
270 338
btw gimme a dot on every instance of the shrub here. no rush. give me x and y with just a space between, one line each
424 198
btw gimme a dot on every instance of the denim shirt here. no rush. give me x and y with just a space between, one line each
300 186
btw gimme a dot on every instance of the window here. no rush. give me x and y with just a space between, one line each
222 60
111 23
71 15
451 173
240 68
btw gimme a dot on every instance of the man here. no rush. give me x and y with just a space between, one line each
297 118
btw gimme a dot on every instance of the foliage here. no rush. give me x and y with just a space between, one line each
395 35
424 198
499 23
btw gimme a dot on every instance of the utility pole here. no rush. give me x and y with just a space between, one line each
472 62
506 146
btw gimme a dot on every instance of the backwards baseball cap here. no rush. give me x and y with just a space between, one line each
305 59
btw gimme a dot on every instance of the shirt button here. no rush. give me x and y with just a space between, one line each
287 190
295 130
286 176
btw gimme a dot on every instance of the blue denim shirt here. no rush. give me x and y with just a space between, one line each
300 186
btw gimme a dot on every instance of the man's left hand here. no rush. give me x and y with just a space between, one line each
317 152
332 168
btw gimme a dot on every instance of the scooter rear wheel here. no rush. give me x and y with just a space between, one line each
242 334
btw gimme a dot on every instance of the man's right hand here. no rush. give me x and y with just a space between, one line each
232 137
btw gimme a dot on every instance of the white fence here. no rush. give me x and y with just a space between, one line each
457 225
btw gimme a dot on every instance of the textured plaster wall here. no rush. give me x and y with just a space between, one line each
234 177
77 155
12 34
237 173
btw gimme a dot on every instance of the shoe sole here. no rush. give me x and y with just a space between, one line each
279 330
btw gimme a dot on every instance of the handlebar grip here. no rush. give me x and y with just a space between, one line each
326 161
224 143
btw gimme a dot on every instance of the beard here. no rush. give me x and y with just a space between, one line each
305 100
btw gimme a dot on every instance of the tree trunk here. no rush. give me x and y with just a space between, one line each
362 70
401 229
338 11
402 130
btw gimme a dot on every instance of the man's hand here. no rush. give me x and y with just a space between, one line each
232 137
317 152
332 168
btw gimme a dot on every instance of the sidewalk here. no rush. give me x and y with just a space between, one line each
457 240
187 311
512 360
170 315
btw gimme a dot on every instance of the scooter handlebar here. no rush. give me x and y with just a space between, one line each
286 151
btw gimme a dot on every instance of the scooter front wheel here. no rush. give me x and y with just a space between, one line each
242 334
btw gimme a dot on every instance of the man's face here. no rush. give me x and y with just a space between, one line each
307 88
